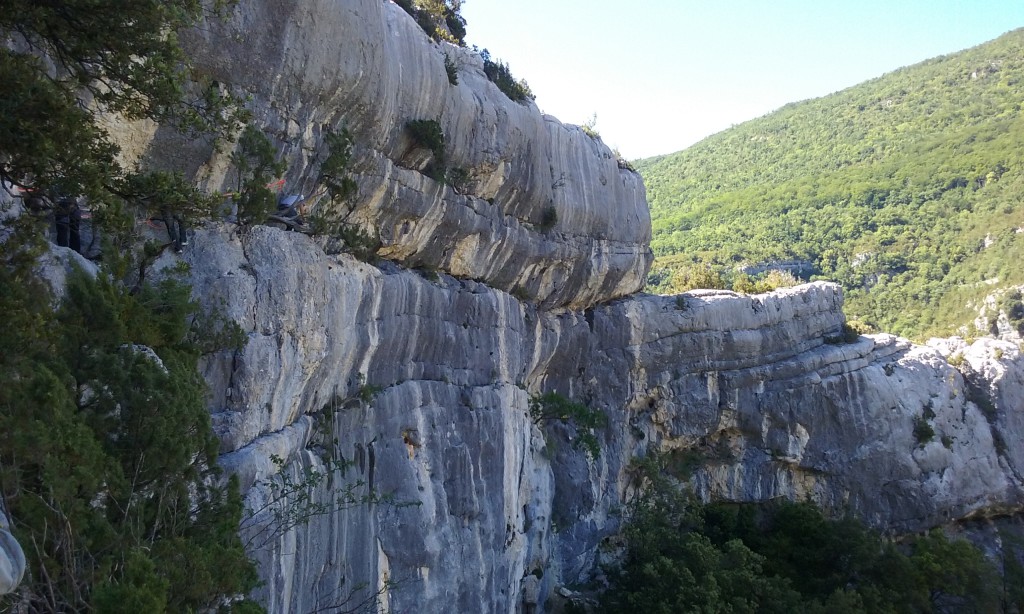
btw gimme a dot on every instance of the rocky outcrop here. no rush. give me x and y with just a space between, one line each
12 558
417 386
540 207
1000 315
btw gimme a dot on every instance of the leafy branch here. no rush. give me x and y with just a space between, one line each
552 406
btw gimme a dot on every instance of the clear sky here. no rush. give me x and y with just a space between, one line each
662 74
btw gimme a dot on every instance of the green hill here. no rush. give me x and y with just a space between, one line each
906 189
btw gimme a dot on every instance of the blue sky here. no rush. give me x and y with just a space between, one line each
662 74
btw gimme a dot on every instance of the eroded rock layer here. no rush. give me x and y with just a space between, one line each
539 207
420 384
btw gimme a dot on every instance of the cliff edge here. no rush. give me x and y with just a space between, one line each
540 208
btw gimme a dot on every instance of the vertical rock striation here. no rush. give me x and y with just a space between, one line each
539 207
419 387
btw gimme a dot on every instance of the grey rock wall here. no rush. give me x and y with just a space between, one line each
314 66
379 417
490 511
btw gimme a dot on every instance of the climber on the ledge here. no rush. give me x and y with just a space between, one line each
288 212
68 218
176 228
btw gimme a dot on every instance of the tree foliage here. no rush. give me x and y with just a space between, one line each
106 451
256 162
334 169
69 59
500 74
684 556
440 19
905 189
553 407
428 134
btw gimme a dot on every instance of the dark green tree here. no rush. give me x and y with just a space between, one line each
440 19
684 556
107 456
501 75
70 59
256 163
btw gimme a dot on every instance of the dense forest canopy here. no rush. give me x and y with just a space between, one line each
905 189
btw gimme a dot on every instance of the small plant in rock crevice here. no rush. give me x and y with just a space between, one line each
552 406
451 69
548 218
849 334
427 133
520 293
459 179
923 431
359 242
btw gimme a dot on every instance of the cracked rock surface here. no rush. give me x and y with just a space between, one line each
419 386
539 207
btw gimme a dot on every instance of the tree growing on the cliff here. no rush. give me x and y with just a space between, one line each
71 59
256 162
67 62
501 75
553 407
440 19
106 451
107 458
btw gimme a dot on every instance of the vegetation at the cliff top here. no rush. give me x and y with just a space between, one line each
440 19
906 189
683 556
107 457
501 75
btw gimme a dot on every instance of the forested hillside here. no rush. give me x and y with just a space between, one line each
906 189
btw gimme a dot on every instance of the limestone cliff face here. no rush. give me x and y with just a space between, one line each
314 65
417 385
484 500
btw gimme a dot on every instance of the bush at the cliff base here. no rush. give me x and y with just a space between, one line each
684 556
106 450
